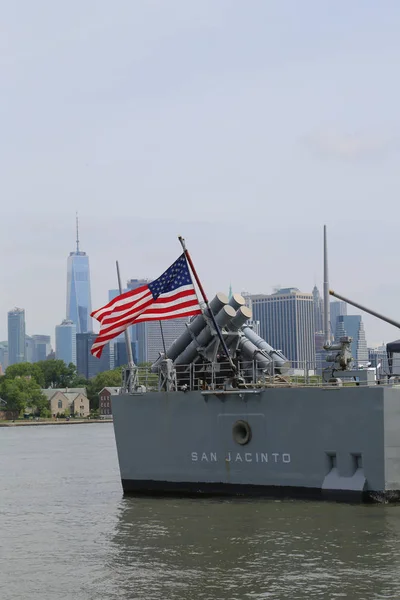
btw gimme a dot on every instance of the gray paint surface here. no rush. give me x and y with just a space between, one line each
392 439
187 437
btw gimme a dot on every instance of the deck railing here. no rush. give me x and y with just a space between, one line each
217 375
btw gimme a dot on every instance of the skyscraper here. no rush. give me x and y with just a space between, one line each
121 355
42 347
79 305
88 365
318 310
66 342
353 326
378 356
4 355
16 336
154 332
337 308
287 323
29 349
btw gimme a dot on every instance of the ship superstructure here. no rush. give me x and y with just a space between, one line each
223 412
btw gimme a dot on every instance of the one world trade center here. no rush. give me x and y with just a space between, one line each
79 305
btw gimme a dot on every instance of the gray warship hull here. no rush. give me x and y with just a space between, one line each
325 442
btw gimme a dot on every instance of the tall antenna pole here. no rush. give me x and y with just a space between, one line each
77 234
327 315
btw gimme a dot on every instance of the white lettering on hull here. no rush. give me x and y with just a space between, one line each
246 457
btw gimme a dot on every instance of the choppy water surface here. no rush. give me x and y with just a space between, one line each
66 532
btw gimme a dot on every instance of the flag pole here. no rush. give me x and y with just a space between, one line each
127 336
162 339
218 330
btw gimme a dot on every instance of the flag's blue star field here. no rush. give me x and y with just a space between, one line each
173 278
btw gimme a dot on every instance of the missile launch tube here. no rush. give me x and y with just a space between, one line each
196 326
237 301
242 315
367 310
250 353
204 338
280 361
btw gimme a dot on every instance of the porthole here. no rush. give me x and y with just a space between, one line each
241 432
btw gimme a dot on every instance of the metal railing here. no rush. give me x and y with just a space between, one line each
218 375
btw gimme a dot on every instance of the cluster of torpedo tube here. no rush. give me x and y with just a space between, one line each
199 343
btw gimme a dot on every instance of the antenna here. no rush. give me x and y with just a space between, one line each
327 315
77 233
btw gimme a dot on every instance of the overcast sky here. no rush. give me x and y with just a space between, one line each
244 126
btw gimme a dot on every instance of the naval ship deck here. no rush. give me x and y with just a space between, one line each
218 376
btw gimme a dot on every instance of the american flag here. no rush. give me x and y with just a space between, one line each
169 297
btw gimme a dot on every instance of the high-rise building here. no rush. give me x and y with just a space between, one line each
378 358
121 355
79 304
66 342
16 336
155 331
247 299
88 365
287 323
42 347
318 310
37 347
337 308
29 349
353 326
4 355
319 341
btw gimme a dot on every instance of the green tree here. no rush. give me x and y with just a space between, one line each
57 374
45 413
21 393
26 370
80 381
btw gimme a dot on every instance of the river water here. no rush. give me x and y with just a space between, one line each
67 532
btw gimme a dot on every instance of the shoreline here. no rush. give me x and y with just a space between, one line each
49 422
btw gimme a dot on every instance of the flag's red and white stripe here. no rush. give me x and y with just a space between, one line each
139 305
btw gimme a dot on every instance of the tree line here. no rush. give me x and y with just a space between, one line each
21 385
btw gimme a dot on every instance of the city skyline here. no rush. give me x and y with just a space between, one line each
290 325
134 282
378 331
